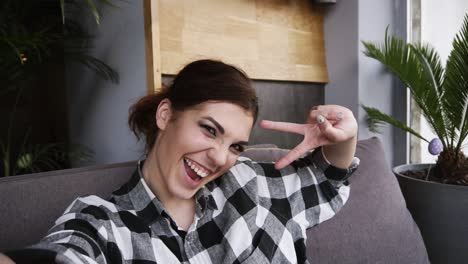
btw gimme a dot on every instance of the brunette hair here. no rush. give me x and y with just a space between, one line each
197 82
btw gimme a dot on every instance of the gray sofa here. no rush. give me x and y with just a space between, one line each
373 227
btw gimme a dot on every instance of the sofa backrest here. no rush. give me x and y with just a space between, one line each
29 204
373 227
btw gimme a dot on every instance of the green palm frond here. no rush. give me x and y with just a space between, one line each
37 158
404 60
52 156
77 44
31 35
431 63
90 4
432 69
456 83
79 153
376 118
441 94
99 67
32 158
92 7
23 44
62 10
5 155
19 41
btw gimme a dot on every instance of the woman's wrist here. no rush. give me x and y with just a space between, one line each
341 154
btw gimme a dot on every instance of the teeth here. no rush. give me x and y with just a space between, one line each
200 172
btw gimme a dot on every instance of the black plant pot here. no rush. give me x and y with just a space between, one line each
441 212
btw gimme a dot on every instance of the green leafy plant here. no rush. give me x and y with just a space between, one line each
441 94
34 158
32 34
91 4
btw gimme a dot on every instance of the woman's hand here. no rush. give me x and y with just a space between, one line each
5 260
331 126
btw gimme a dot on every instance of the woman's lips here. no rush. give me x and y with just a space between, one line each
197 168
191 173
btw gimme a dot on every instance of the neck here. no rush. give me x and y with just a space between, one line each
174 205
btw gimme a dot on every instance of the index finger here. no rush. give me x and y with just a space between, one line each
283 126
292 155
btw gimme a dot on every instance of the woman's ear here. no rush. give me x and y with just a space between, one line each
163 114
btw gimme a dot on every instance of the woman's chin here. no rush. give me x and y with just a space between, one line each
184 194
183 191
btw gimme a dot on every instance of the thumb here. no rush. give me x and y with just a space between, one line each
331 133
323 123
325 127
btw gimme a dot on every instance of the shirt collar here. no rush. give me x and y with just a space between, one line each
204 201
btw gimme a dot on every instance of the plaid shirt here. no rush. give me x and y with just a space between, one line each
252 214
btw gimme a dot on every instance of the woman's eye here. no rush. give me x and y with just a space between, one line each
210 130
238 148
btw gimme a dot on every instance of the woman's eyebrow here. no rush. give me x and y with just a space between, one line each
221 129
218 126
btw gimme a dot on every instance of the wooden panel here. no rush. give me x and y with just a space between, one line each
269 39
152 45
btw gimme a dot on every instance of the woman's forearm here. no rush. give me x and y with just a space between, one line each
341 154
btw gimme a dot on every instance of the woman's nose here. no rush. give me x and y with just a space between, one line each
219 155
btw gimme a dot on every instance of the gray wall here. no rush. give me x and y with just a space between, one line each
99 110
356 79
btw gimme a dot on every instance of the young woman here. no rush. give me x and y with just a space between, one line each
193 198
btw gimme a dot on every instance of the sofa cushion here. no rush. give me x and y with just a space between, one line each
30 204
264 154
374 226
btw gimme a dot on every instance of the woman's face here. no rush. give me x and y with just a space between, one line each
198 145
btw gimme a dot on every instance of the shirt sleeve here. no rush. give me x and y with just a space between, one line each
76 237
308 191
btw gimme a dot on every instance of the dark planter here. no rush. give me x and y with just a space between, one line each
441 212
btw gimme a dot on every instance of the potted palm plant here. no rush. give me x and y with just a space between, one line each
436 194
36 38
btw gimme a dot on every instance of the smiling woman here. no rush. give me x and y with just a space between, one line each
193 198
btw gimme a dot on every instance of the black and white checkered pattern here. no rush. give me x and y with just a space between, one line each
253 214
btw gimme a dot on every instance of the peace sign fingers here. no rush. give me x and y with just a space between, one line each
283 127
292 155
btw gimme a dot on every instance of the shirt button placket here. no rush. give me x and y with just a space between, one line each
190 251
190 243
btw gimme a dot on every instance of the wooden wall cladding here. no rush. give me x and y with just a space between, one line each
269 39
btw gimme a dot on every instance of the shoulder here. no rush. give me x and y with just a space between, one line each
90 208
246 169
83 202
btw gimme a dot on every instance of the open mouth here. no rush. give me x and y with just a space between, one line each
195 171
